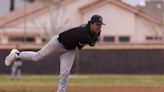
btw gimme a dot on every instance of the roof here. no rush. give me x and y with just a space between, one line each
122 5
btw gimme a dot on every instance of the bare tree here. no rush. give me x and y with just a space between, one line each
57 19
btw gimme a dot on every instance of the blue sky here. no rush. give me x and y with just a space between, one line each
4 5
132 2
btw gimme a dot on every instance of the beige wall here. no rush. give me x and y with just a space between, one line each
119 22
146 28
116 19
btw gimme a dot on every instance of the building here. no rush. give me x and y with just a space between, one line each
38 22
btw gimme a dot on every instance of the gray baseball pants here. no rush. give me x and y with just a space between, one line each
66 59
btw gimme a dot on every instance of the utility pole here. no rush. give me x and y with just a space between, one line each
30 1
163 16
12 5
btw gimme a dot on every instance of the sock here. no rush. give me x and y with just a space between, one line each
18 55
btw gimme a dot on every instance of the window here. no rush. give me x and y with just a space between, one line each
149 38
109 39
158 38
44 40
153 38
21 39
124 39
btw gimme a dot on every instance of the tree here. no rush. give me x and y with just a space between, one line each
57 19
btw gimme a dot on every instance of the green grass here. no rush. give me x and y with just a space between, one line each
29 80
87 80
83 80
118 80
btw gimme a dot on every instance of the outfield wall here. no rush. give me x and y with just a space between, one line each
99 61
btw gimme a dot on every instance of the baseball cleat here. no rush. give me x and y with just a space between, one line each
11 57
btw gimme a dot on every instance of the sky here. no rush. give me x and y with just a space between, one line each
132 2
4 5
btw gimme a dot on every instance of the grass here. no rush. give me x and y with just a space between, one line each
87 80
84 80
29 80
118 80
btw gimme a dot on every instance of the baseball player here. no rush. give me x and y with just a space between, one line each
16 70
65 44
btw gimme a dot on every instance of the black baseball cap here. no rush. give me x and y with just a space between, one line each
97 19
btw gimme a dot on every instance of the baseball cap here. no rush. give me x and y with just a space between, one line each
97 19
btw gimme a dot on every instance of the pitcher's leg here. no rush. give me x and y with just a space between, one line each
49 48
30 56
66 62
